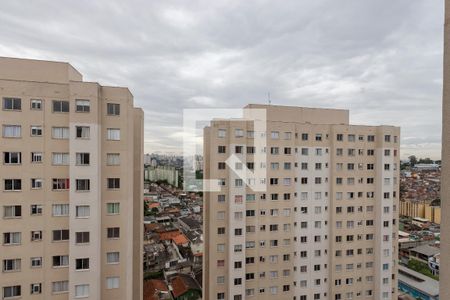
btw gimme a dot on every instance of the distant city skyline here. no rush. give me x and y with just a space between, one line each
229 53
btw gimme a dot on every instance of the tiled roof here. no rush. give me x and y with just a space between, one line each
169 235
152 287
180 239
181 284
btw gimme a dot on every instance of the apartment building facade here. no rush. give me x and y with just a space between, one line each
325 227
71 185
444 275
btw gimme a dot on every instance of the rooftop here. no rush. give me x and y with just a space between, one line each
37 70
193 224
183 283
418 281
426 250
153 287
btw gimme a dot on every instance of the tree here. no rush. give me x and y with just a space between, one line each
412 160
425 161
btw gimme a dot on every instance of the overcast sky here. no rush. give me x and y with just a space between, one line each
381 59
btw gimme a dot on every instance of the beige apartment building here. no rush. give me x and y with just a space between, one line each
325 225
70 185
444 274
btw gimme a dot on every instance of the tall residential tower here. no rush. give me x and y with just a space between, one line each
70 185
325 224
444 292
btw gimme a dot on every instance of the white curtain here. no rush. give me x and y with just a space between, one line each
112 282
60 209
113 159
113 134
112 257
60 286
83 211
60 132
60 158
82 290
12 131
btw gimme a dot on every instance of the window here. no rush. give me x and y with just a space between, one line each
113 159
60 261
12 158
13 184
36 262
60 106
113 232
60 235
82 159
82 132
61 159
112 282
220 198
36 183
221 133
36 236
60 184
12 291
12 103
220 215
60 286
221 149
12 238
275 135
113 109
238 133
11 265
113 134
12 211
113 183
113 208
112 257
82 264
36 288
36 209
81 290
36 157
82 105
60 133
82 237
304 136
36 130
83 211
83 185
36 104
12 131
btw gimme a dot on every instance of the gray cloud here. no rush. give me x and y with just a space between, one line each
380 59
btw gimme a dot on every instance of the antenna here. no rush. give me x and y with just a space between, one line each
268 98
